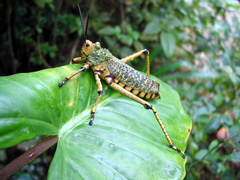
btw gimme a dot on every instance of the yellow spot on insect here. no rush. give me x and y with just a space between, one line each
70 104
148 95
121 84
142 94
128 88
116 80
153 96
135 91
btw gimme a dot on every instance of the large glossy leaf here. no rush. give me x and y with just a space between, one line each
125 141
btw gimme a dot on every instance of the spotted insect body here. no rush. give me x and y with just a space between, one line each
129 77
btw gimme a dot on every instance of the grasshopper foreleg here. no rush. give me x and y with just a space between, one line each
135 55
100 91
147 106
83 68
76 59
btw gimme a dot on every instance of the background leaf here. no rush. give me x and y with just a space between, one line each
168 43
125 141
107 31
152 27
234 157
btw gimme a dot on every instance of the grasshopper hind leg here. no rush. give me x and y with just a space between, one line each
149 106
146 106
137 54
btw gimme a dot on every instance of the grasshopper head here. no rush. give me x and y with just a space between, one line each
86 48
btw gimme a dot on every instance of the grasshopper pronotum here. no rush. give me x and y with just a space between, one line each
119 76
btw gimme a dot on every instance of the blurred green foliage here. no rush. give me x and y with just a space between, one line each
194 46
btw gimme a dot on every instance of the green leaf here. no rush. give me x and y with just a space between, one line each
40 3
125 51
225 119
218 99
168 43
213 144
152 28
48 1
38 29
200 154
117 30
171 22
129 29
233 157
107 31
125 141
213 124
138 45
234 78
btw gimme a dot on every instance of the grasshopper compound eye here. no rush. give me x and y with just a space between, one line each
88 43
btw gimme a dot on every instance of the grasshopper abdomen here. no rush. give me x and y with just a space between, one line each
132 80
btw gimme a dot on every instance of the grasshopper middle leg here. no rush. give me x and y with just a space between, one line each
139 53
100 91
147 106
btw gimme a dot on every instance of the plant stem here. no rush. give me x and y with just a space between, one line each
27 157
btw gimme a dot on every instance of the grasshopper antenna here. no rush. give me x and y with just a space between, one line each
81 21
86 26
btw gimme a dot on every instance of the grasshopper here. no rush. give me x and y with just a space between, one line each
119 76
